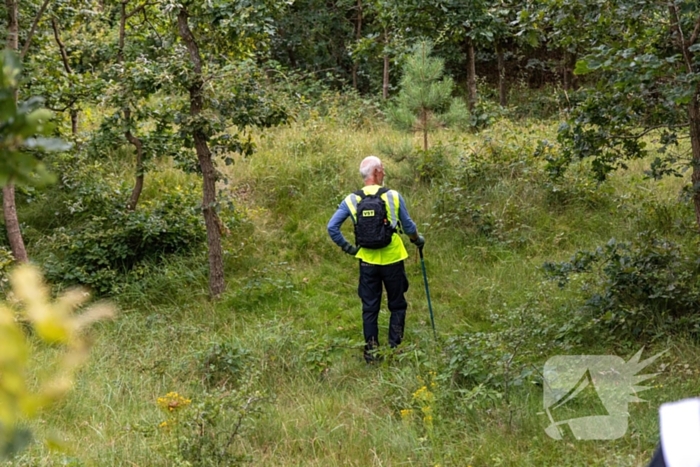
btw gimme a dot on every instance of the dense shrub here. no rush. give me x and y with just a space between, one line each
6 263
643 289
484 114
495 170
223 364
431 165
485 366
456 207
574 186
541 103
111 240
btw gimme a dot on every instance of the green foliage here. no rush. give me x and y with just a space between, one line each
223 364
22 129
208 434
458 116
6 263
576 185
319 353
398 151
457 208
646 82
205 431
432 165
401 117
111 241
423 86
425 93
464 199
484 367
541 103
313 39
637 290
484 114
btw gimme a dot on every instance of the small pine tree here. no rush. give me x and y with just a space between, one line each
425 94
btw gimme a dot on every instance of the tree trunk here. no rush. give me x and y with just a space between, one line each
138 145
502 91
694 105
568 76
69 70
74 121
14 234
12 24
126 112
471 74
694 120
424 123
385 78
354 75
32 30
358 36
211 219
9 207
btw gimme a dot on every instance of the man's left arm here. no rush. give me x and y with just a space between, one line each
407 225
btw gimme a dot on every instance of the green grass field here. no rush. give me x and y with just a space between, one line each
288 365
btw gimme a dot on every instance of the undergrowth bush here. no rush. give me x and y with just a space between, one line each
574 186
484 114
111 241
501 357
204 431
666 217
431 165
223 364
6 263
427 166
456 207
639 290
502 171
542 103
307 98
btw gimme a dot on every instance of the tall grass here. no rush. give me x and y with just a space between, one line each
291 301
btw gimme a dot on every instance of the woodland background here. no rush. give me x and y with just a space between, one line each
194 151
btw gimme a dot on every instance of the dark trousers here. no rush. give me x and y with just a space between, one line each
372 276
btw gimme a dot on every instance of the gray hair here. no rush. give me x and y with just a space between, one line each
368 165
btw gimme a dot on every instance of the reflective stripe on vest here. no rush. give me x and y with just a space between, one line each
395 251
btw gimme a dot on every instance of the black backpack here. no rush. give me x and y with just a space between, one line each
372 229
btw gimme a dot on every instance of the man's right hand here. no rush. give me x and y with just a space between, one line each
351 249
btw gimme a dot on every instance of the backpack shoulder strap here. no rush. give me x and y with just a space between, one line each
361 194
382 190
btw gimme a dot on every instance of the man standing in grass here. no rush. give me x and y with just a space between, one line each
378 215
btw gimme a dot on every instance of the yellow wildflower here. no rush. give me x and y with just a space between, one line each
173 401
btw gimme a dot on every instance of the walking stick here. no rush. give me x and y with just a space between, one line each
427 291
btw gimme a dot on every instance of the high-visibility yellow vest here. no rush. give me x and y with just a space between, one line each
393 252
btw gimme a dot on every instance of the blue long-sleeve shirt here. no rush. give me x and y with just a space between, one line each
406 224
